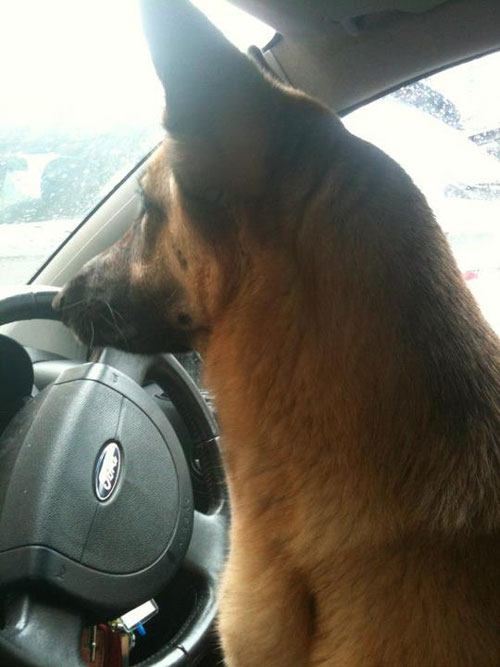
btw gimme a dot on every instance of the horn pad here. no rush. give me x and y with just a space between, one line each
100 506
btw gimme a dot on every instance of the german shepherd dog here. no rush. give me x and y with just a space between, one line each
356 381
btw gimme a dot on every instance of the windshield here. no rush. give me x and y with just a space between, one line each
81 106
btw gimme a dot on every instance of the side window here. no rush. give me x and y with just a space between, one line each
80 107
445 132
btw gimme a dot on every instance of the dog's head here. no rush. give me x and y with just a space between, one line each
233 165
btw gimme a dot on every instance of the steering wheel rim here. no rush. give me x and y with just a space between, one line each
208 545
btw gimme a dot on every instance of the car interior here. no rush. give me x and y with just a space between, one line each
67 579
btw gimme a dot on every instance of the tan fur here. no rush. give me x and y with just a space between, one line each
357 386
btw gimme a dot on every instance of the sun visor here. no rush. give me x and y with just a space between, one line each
348 9
349 13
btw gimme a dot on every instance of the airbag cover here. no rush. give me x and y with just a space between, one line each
49 460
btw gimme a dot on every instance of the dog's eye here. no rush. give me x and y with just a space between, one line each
148 204
203 195
214 196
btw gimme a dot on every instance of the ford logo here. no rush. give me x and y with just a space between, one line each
107 471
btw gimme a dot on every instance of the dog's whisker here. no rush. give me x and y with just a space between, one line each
118 314
114 323
92 334
75 304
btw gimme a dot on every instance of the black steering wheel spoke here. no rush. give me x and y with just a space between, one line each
39 632
136 366
206 555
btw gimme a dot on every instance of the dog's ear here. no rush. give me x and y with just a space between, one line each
220 110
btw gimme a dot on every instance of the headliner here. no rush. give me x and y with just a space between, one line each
346 52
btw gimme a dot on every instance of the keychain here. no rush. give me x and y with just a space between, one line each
109 644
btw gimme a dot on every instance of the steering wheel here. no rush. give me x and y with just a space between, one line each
96 503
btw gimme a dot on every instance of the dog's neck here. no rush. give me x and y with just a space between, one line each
367 356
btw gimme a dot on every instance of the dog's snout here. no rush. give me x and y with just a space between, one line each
65 297
58 301
71 295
